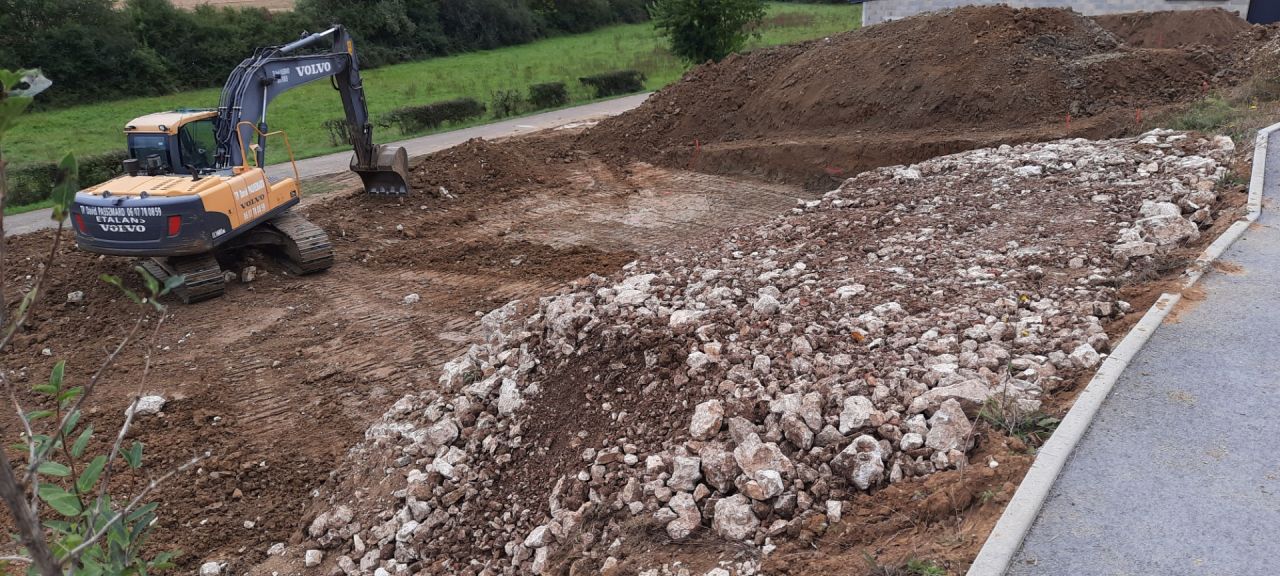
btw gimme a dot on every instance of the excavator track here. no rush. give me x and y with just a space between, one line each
203 276
306 245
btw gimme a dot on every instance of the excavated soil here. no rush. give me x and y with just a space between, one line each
279 378
1175 28
935 84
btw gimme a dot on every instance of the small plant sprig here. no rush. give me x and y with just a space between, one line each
89 533
1002 412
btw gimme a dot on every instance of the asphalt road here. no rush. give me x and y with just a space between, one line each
340 162
1177 474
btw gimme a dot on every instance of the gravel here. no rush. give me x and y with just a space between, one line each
747 388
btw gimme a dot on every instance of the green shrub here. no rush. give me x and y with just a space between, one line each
1208 115
33 183
917 567
506 103
339 131
575 16
431 116
614 83
548 95
485 24
1262 88
632 11
702 30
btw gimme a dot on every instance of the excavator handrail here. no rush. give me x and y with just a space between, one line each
288 147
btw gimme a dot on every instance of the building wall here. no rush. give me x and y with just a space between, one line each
876 11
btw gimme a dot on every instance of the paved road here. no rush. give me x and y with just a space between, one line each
340 162
1178 473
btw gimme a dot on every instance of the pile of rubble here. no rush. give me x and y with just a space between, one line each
746 389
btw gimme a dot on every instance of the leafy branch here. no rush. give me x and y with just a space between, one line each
84 533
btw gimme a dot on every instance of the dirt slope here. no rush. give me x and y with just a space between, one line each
1175 28
954 73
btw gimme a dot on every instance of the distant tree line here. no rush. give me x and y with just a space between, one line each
96 51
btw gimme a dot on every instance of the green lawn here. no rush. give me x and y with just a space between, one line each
46 136
10 210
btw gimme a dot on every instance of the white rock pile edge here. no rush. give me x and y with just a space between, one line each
1021 511
772 326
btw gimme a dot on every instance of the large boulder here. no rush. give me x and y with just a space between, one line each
949 429
734 519
687 516
858 412
1085 356
971 394
708 417
797 432
1168 230
752 456
685 474
719 467
862 462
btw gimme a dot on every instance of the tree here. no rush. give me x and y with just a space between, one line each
86 41
575 16
701 30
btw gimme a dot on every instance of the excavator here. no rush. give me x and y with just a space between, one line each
195 185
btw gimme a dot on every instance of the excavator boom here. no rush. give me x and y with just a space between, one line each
252 86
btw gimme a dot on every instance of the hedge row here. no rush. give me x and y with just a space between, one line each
97 50
548 95
502 104
615 83
431 116
33 182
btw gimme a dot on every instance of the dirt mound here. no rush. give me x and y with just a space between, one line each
1174 28
987 68
479 165
733 395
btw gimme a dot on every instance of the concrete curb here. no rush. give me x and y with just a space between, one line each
1021 512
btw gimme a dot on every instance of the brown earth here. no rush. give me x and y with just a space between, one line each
277 379
1175 28
938 83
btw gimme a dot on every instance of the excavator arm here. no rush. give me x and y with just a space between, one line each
272 71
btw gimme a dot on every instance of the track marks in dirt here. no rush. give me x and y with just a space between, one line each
277 379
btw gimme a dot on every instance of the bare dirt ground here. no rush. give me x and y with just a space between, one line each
279 378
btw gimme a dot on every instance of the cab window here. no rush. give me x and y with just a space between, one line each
143 146
196 144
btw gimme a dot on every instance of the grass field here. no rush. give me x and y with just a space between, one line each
46 136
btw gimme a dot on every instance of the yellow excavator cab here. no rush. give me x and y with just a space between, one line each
167 122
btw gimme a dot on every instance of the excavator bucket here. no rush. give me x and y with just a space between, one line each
389 174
